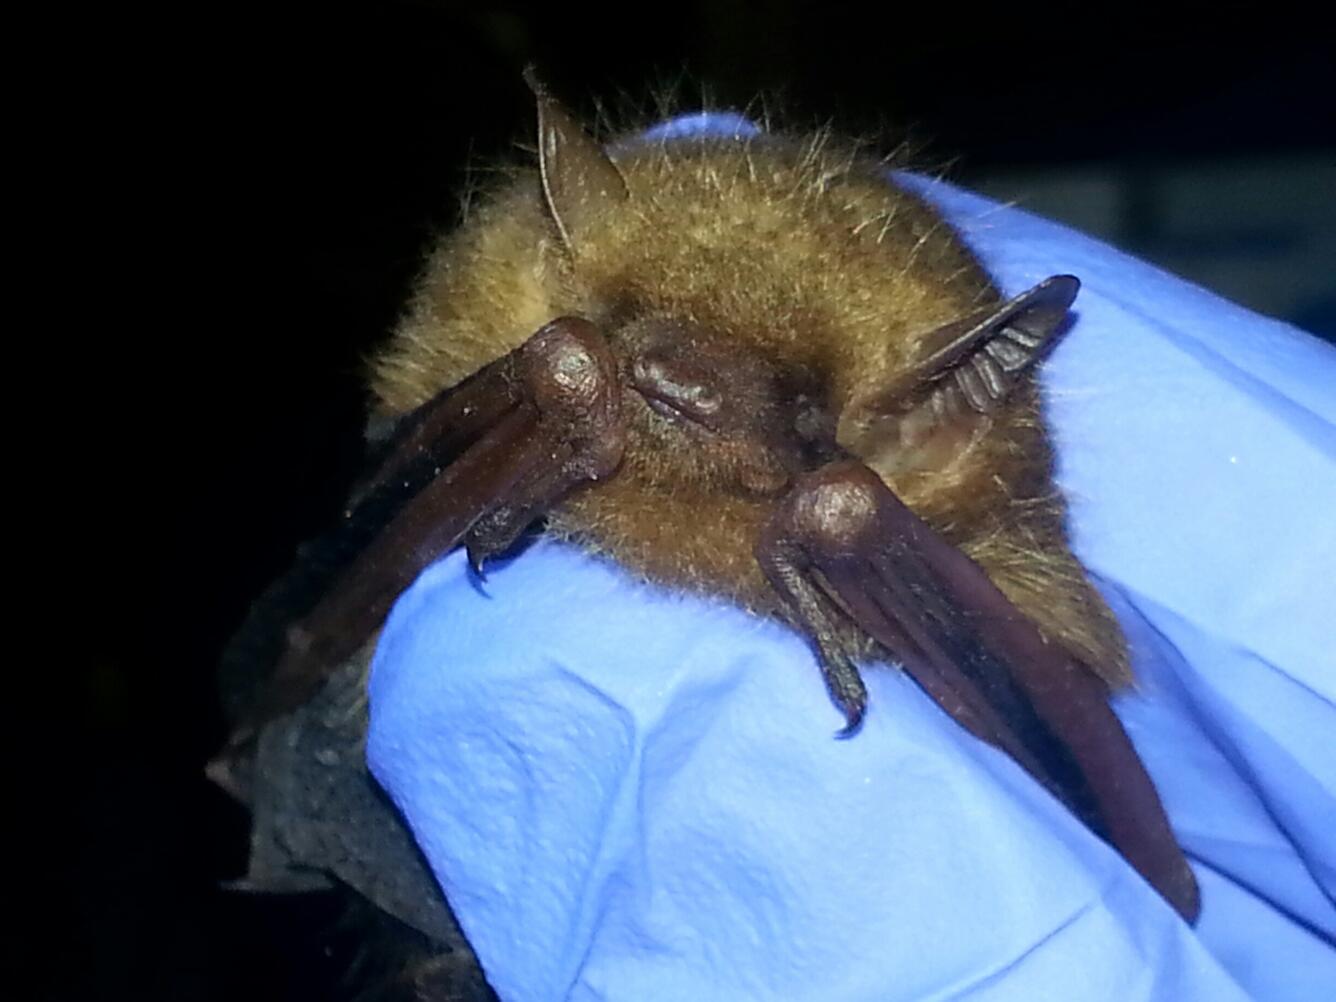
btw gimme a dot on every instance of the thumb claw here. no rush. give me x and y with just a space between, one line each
853 722
476 558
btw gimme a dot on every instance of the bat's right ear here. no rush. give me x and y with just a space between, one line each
580 182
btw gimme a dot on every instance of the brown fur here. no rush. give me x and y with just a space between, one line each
802 249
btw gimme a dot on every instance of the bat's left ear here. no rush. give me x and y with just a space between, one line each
580 181
965 371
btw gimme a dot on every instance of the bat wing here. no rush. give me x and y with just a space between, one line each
483 459
474 466
842 547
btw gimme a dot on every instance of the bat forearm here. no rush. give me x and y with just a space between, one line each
546 419
841 540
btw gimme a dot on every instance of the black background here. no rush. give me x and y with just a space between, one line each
297 158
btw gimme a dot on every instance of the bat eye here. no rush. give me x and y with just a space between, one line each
813 422
676 386
704 399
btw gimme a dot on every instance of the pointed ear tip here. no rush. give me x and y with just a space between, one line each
1068 281
530 75
1059 287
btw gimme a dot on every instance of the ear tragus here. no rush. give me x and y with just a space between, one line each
580 182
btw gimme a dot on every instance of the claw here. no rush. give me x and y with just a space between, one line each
476 557
853 716
846 689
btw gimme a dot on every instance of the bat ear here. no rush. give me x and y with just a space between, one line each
580 182
982 356
966 370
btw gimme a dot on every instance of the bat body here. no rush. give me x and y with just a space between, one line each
752 366
788 250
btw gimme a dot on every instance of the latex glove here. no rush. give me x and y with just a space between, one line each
631 794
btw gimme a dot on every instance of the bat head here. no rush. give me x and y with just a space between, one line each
762 293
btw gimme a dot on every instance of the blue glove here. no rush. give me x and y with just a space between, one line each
632 794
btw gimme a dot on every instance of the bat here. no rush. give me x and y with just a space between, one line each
752 366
